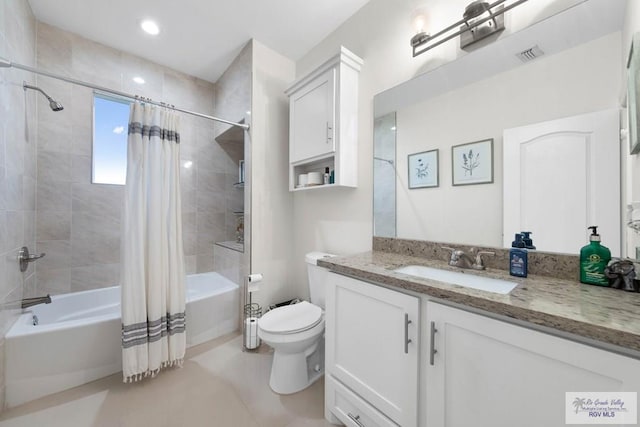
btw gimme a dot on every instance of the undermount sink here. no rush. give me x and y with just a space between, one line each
462 279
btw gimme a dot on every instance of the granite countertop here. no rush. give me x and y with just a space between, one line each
603 314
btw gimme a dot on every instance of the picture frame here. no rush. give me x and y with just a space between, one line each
423 169
472 163
633 74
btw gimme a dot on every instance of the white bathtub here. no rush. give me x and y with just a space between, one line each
77 338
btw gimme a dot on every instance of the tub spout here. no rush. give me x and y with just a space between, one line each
28 302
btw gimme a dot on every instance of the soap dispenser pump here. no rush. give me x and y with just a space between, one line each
527 240
594 259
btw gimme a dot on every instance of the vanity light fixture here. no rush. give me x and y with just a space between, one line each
479 20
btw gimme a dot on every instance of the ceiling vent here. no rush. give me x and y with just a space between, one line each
530 54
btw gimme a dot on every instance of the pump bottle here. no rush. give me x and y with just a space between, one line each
594 258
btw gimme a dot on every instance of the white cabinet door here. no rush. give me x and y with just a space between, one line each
573 165
372 345
488 373
312 115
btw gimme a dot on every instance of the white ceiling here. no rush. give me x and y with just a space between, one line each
199 37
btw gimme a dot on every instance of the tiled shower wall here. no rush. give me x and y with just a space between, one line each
17 161
77 222
233 102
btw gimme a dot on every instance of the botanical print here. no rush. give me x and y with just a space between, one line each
423 169
472 163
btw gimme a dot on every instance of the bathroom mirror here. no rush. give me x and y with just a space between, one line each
575 68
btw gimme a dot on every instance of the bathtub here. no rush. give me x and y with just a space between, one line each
77 338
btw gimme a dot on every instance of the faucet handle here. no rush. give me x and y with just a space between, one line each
479 264
455 254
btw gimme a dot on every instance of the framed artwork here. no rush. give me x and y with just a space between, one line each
423 169
633 75
472 163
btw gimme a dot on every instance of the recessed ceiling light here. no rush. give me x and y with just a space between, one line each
138 80
188 164
150 27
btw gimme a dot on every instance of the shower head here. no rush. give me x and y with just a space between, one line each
53 104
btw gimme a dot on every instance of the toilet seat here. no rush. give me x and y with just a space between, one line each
291 319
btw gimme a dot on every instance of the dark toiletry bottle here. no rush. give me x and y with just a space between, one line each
518 257
326 176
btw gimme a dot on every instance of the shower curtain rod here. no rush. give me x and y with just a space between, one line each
5 63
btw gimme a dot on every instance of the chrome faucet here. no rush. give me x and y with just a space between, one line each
28 302
460 259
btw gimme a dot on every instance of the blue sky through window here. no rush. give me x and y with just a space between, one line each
110 124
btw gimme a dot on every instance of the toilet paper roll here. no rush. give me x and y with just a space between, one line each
251 339
254 279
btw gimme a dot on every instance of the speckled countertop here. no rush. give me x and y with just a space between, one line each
602 314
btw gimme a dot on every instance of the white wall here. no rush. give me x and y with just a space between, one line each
271 213
579 80
340 220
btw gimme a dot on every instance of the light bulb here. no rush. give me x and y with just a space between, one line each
419 20
150 27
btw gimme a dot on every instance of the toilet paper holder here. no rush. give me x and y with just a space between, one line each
251 313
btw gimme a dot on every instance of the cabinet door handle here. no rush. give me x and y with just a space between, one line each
432 349
329 137
356 419
407 340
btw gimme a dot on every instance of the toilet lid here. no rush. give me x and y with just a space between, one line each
291 318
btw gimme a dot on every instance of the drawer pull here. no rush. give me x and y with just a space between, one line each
407 340
329 137
432 350
356 419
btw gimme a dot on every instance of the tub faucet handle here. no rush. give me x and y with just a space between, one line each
25 258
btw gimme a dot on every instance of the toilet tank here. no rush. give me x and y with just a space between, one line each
317 277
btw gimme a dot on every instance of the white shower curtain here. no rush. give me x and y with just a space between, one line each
152 263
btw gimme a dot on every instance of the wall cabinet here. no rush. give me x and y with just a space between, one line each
323 121
489 373
371 354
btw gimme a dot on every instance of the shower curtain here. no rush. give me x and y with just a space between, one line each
152 264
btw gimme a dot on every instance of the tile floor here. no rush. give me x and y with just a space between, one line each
218 386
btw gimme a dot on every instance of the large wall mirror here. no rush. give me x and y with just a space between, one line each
490 94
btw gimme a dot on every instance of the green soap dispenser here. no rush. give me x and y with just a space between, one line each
593 260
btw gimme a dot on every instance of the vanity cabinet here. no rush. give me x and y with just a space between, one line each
323 121
371 354
488 373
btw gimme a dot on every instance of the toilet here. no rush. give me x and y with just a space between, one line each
296 333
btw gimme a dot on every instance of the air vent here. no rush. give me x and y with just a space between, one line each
530 54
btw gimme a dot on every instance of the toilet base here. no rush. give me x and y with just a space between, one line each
293 372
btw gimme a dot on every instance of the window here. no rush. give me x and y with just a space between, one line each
110 125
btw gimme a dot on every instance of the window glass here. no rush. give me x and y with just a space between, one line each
110 125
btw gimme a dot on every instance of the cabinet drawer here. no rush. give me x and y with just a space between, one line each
351 409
